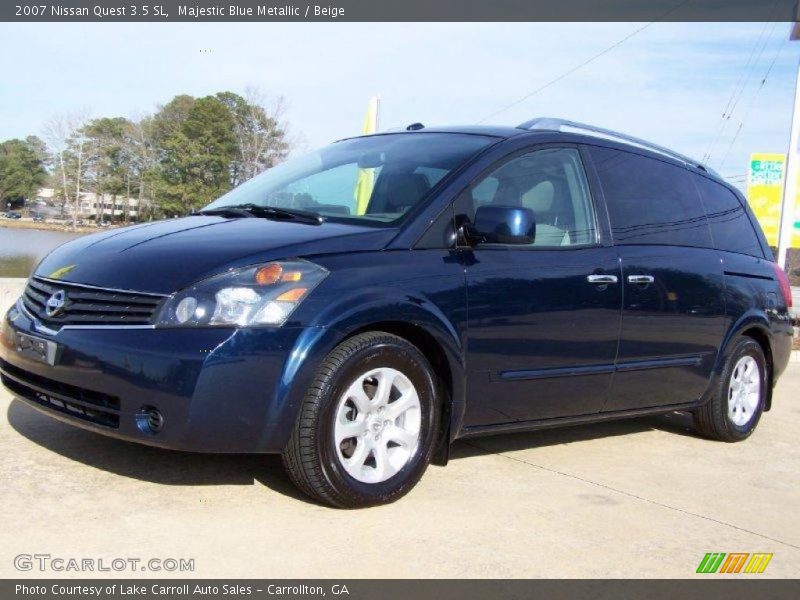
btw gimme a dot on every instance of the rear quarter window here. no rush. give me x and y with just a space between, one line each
731 228
650 201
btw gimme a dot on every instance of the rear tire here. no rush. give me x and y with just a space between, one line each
738 395
367 425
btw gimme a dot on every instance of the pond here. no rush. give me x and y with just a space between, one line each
22 249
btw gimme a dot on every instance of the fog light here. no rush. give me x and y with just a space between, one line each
149 419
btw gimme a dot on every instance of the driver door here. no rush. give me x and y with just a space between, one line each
543 318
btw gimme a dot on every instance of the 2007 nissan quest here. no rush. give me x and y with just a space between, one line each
358 309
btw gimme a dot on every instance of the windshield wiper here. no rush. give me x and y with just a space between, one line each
225 211
266 212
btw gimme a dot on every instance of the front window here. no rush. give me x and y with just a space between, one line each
551 183
373 180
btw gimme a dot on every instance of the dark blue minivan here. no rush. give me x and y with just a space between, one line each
358 309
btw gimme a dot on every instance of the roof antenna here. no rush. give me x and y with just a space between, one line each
415 127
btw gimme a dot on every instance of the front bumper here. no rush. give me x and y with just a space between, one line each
218 389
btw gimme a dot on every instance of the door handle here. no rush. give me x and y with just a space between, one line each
641 279
602 279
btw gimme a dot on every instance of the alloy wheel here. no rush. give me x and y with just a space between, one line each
377 427
744 391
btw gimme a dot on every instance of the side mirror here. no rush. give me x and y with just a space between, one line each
501 225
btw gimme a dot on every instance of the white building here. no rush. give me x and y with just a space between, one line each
100 207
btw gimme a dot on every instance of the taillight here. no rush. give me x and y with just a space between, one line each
783 282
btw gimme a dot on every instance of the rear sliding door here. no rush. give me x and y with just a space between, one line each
672 281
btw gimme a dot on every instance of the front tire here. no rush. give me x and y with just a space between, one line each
368 423
738 396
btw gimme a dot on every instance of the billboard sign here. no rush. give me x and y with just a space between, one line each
765 190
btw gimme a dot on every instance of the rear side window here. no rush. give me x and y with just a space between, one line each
730 226
650 201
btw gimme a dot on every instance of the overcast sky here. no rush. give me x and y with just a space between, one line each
669 83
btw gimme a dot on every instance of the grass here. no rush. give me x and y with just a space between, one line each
22 224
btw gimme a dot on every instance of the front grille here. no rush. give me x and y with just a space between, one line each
88 305
61 397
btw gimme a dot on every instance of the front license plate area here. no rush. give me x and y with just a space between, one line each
36 348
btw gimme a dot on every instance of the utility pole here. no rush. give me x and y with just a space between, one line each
786 227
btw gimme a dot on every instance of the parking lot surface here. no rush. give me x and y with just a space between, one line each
640 498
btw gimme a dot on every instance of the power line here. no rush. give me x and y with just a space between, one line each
583 64
741 83
566 74
755 64
726 114
753 101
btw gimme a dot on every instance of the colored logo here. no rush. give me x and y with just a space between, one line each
734 562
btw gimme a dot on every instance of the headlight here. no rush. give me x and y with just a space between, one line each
259 295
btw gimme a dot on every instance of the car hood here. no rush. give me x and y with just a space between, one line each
165 256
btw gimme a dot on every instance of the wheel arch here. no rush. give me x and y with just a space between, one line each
763 340
755 326
416 320
433 350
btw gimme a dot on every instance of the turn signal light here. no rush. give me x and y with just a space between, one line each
292 276
292 295
269 274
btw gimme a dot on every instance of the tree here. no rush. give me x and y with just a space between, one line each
170 118
21 171
64 137
189 152
107 167
76 161
260 133
142 155
197 157
40 149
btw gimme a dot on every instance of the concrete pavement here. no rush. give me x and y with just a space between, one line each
641 498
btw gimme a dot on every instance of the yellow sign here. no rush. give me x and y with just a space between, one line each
366 177
765 191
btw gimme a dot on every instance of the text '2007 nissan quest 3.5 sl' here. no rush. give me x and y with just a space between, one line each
358 309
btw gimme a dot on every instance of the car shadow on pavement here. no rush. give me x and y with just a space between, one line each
170 467
677 423
147 463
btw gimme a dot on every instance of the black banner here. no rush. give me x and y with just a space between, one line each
397 589
397 10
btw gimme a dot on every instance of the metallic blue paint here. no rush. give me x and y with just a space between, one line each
680 315
517 335
533 308
194 248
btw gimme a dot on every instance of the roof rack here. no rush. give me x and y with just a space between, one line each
550 124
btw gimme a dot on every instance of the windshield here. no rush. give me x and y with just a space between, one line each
370 180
